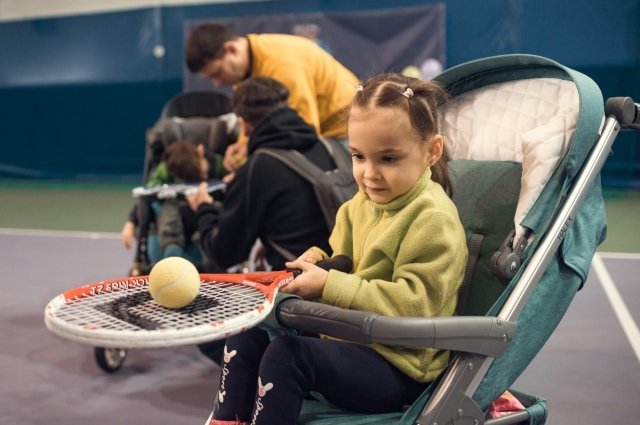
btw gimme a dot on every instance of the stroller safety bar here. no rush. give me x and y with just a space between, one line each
484 335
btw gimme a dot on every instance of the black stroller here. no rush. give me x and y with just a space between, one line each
200 117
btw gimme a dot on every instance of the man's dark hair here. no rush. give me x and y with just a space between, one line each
257 97
183 161
206 43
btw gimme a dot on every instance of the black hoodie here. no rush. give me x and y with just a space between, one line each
280 206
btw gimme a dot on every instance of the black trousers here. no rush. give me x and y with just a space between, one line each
265 382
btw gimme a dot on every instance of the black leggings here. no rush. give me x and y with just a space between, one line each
264 382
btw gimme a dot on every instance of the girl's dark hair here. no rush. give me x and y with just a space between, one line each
206 43
256 97
183 161
386 91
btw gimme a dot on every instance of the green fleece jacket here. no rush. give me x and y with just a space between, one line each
409 257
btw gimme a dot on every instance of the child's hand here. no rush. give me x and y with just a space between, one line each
202 197
311 256
235 156
310 284
127 234
227 179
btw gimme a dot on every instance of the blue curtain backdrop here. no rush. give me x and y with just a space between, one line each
77 93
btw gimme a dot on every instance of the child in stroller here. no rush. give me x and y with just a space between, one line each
201 118
182 162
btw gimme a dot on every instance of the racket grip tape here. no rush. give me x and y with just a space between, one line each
340 262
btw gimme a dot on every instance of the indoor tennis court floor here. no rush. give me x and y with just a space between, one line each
589 371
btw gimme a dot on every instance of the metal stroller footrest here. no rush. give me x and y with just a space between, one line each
487 336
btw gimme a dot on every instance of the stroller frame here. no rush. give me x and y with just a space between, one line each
468 371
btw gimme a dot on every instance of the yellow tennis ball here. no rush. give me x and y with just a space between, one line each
174 282
412 71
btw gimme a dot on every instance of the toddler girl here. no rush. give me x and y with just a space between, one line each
409 253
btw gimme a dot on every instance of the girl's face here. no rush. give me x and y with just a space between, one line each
388 156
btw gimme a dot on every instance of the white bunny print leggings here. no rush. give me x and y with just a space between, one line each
265 382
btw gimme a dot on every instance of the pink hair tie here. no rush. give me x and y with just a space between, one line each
408 93
359 88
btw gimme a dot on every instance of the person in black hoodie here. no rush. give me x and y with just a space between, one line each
265 199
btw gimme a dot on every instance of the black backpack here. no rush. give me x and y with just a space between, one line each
334 187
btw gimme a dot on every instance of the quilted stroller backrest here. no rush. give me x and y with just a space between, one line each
527 126
518 128
529 121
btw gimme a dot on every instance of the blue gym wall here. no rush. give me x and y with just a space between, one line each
77 93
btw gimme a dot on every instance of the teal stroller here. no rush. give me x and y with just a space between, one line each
528 138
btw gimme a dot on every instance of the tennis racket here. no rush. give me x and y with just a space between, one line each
169 191
120 313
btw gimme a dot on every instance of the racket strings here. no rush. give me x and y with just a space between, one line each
135 310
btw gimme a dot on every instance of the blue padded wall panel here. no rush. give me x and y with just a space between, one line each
91 82
90 131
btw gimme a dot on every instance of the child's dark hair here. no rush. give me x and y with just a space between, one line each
386 91
206 43
183 161
257 97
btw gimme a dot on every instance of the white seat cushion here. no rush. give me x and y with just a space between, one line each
529 121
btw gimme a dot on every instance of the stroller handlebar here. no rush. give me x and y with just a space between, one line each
625 111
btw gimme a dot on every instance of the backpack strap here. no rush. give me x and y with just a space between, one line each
301 166
313 174
474 253
294 160
341 158
289 158
282 251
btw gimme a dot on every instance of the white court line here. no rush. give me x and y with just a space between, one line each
619 307
59 233
620 255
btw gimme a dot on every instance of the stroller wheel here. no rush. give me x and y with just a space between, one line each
110 359
139 269
135 270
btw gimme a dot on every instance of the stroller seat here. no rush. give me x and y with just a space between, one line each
527 138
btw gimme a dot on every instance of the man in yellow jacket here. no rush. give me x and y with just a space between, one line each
320 88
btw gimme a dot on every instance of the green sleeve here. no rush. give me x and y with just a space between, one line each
161 176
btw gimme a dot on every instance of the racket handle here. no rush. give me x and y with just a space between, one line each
340 262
